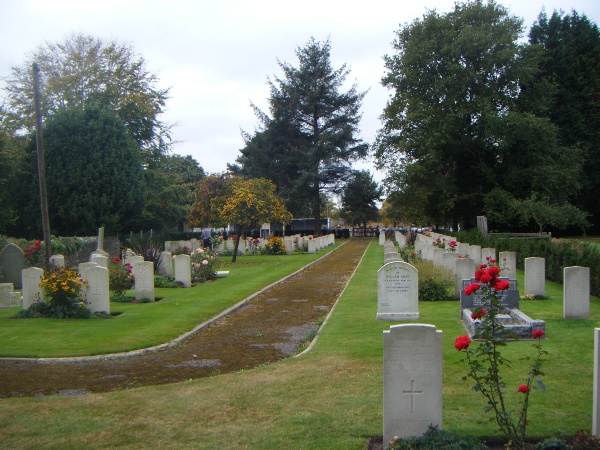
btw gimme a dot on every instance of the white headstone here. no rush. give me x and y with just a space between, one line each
97 258
576 292
448 259
57 260
312 246
97 293
487 253
133 260
535 276
412 380
437 256
83 266
32 292
8 296
508 263
397 291
596 388
464 269
183 269
381 238
289 245
165 264
144 280
475 254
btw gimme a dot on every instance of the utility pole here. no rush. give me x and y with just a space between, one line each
40 159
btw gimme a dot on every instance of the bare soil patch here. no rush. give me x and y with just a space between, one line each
271 327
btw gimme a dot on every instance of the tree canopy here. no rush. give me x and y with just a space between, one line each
83 71
360 197
454 128
309 138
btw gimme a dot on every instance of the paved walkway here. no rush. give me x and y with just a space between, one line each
271 327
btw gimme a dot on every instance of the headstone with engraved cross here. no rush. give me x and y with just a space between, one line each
96 293
412 380
144 280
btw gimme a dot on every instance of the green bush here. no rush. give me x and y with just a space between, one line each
435 439
160 281
435 283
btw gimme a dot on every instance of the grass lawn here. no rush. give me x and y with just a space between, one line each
328 398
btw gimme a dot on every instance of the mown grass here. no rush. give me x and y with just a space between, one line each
146 324
330 397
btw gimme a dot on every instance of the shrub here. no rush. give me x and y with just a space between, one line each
435 439
120 278
204 265
275 246
160 281
435 283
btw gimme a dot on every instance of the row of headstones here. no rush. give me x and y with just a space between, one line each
292 243
576 280
412 380
398 236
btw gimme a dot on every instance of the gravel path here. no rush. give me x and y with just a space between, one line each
271 327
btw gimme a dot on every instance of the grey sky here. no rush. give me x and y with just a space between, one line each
216 55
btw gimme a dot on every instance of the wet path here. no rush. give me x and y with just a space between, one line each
270 327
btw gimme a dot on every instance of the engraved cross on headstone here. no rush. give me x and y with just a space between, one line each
412 393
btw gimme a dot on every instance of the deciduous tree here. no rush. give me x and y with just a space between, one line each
360 197
309 138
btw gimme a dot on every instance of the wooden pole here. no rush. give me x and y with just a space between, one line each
41 163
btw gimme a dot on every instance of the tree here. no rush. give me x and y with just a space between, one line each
83 71
571 67
309 138
455 78
222 199
251 203
94 175
360 197
12 155
545 213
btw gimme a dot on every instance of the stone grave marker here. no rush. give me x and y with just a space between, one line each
100 259
464 268
57 260
507 261
475 254
535 276
83 266
165 264
437 256
32 292
8 296
576 292
397 291
183 269
13 262
448 259
289 245
96 293
510 297
412 380
144 280
312 246
487 253
381 238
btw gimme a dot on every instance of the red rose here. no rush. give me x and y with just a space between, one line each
483 266
116 259
462 343
494 271
485 278
523 389
479 273
478 314
472 288
492 260
501 285
538 334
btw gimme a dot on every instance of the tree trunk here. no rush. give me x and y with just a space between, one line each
238 234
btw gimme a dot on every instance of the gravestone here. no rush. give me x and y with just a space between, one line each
13 262
464 268
576 292
133 260
509 299
183 270
448 259
507 261
57 260
83 266
100 259
100 246
535 276
462 248
475 254
312 246
96 293
165 264
32 292
8 296
487 253
381 238
397 291
412 380
596 388
437 256
144 280
289 245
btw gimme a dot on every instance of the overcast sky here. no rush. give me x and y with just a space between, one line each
216 55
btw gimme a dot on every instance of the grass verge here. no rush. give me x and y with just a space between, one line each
331 397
